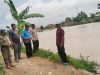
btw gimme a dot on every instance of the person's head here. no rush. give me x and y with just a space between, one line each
3 32
33 26
26 27
13 26
57 25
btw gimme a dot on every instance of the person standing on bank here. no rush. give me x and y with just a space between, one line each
15 40
60 44
34 38
5 50
26 37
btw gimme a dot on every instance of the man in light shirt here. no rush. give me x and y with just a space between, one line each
34 38
5 44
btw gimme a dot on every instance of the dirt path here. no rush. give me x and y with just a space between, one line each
41 66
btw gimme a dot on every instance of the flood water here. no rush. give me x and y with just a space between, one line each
80 39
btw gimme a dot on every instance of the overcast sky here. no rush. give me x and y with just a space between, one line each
55 11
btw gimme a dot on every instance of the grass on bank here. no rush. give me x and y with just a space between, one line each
2 69
82 63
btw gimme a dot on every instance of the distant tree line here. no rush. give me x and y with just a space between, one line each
81 18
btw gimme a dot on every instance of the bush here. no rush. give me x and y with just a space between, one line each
82 63
48 54
2 71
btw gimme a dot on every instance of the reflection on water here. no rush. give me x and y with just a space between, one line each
81 39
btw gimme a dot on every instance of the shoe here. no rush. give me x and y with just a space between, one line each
28 57
20 58
32 55
65 64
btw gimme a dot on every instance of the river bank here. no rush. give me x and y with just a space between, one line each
80 39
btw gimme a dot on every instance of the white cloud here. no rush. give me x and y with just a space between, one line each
56 10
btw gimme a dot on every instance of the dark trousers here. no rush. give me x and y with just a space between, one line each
28 49
62 54
35 45
17 51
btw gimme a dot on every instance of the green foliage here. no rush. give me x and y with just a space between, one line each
2 71
19 17
92 15
97 19
48 54
7 27
32 15
41 27
12 8
68 20
82 63
23 13
20 26
80 17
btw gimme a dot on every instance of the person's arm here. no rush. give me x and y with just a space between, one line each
10 34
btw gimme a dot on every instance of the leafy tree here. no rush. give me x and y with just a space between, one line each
81 16
7 27
97 13
68 20
76 19
41 27
92 15
20 16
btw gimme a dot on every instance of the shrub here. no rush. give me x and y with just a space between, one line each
2 71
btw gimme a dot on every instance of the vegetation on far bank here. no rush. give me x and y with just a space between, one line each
79 19
82 63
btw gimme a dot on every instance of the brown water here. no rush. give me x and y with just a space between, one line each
82 39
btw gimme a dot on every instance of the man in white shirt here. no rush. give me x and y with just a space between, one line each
34 38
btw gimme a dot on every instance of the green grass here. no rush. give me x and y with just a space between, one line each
2 70
47 54
82 63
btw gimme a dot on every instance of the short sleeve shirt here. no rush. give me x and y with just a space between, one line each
34 34
59 35
14 36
